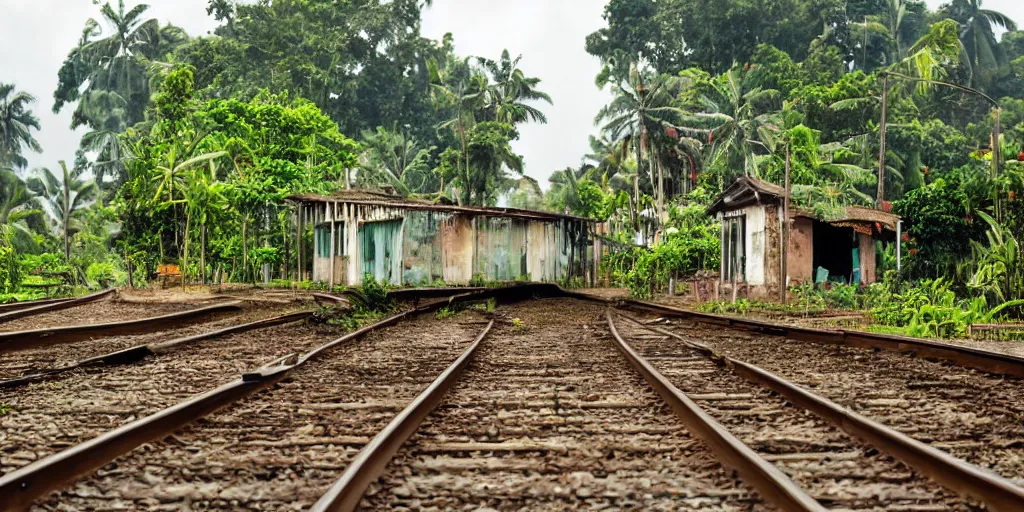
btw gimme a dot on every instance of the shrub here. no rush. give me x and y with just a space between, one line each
102 274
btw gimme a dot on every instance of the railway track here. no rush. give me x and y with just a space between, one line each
47 358
47 417
839 471
104 310
973 415
549 417
281 448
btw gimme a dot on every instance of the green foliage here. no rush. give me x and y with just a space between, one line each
101 274
372 296
10 270
933 310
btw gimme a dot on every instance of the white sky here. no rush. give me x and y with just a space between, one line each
36 35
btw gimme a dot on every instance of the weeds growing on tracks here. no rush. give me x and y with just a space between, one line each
4 409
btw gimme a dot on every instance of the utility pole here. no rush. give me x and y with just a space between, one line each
784 279
996 157
881 131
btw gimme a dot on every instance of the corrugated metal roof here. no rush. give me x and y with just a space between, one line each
372 198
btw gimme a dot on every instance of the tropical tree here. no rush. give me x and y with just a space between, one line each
511 90
390 157
977 31
490 159
741 123
642 108
16 124
18 206
458 88
63 197
116 59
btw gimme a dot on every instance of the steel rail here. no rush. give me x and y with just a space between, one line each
24 340
139 352
984 360
370 462
996 492
18 306
762 475
21 487
38 309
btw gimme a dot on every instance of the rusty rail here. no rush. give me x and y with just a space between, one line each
20 488
139 352
24 340
18 306
984 360
370 462
995 491
45 307
762 475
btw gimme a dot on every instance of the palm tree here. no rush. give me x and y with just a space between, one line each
510 91
16 124
456 86
740 122
393 158
642 109
18 206
117 62
64 197
490 155
977 32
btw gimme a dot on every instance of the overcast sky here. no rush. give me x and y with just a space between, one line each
36 36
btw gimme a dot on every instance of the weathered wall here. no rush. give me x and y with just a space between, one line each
755 244
500 248
418 247
800 259
457 242
422 248
867 258
773 248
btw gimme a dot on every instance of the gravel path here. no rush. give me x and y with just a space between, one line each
549 416
281 448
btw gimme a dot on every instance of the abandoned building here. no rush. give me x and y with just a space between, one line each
409 242
840 249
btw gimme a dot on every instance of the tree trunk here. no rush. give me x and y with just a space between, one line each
881 154
202 254
245 247
184 259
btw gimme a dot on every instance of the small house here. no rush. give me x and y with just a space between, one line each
841 248
410 242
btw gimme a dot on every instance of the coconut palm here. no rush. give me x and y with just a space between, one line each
390 157
741 122
977 32
511 90
641 110
16 124
63 197
18 207
115 59
455 85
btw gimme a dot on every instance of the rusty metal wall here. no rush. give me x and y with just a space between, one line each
422 247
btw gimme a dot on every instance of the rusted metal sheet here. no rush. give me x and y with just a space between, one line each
769 481
24 340
995 491
422 247
54 306
457 244
370 462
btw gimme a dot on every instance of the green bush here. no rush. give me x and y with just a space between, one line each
10 270
101 274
